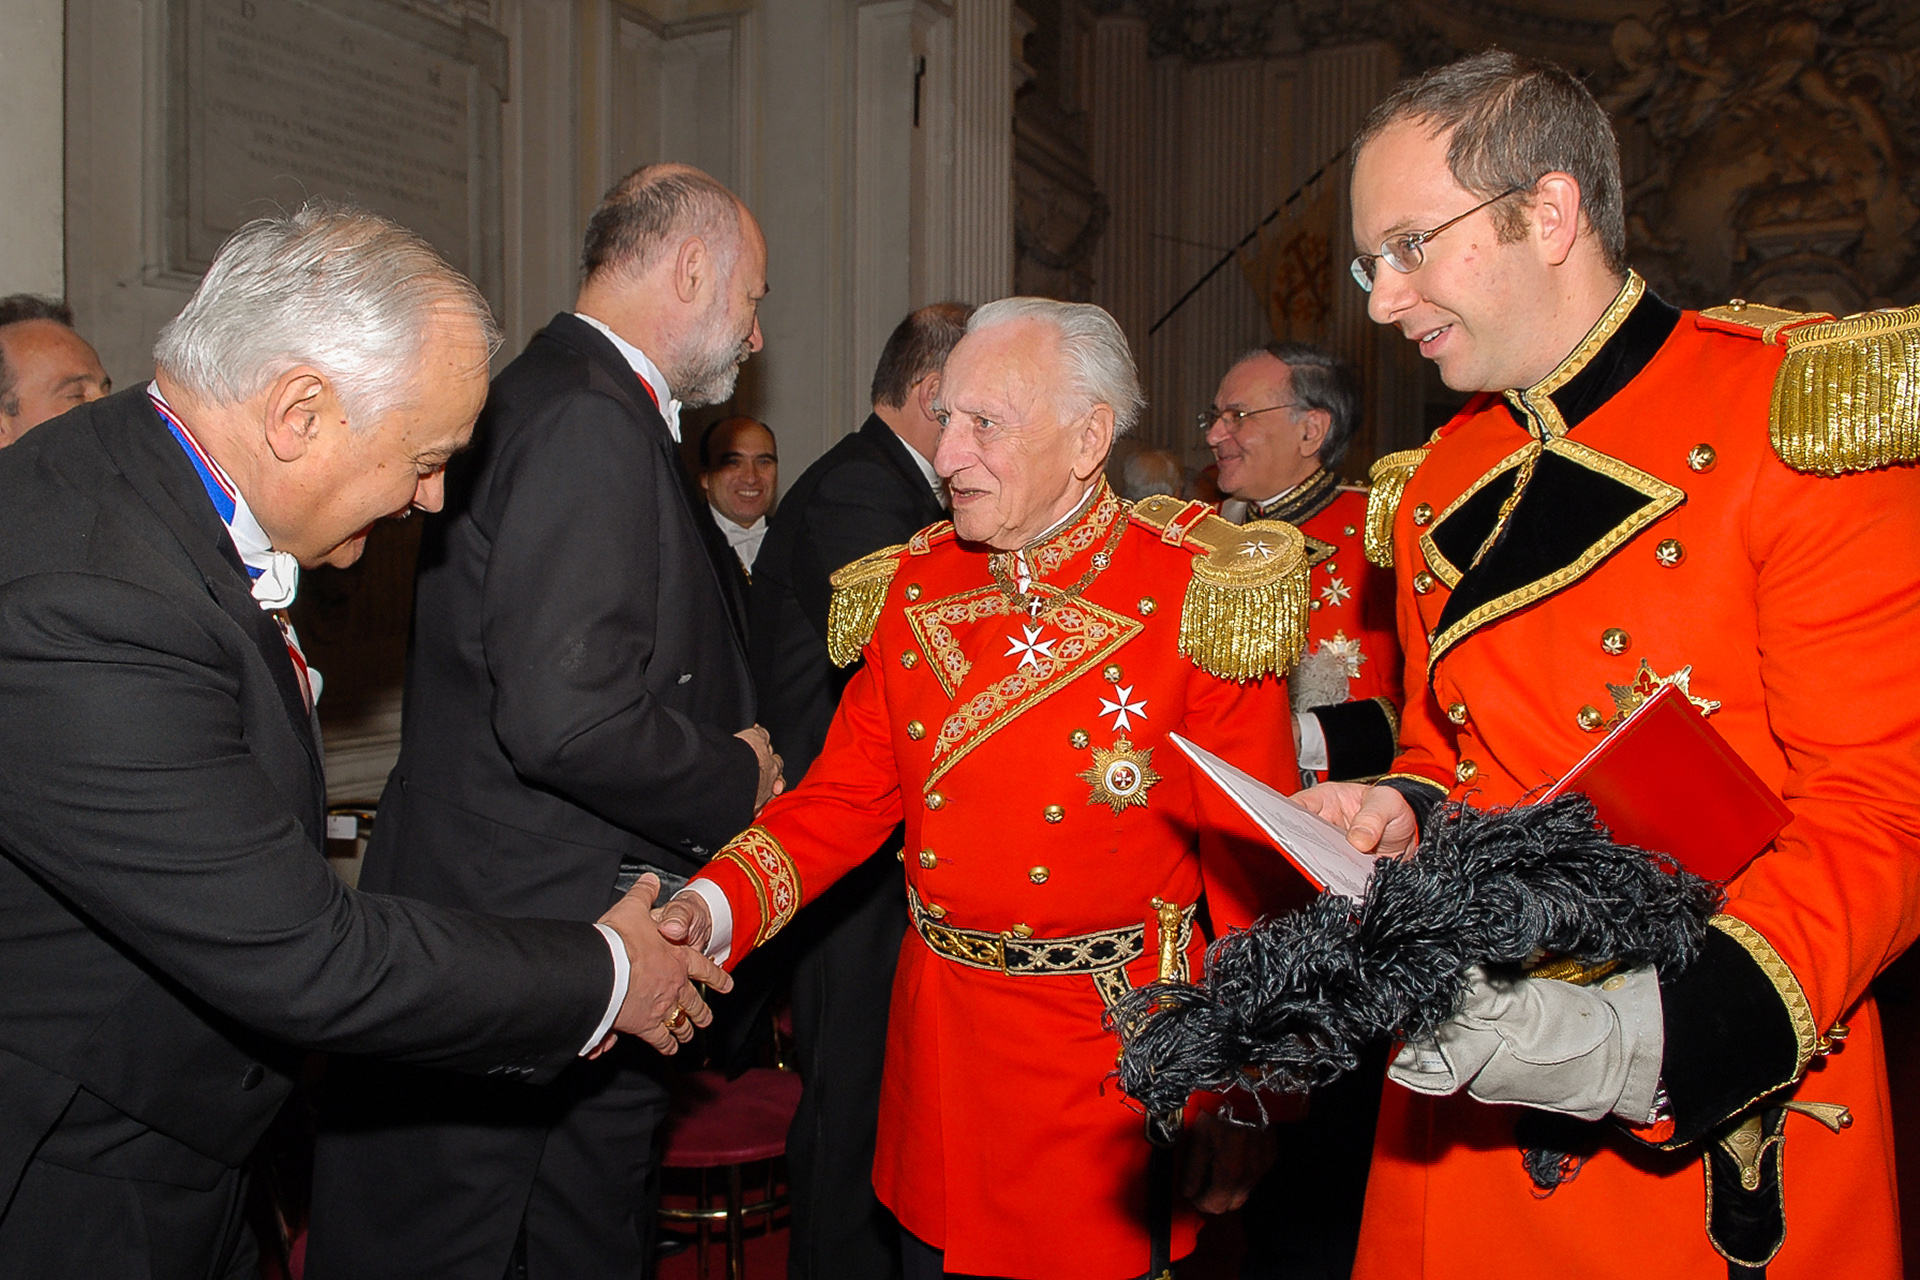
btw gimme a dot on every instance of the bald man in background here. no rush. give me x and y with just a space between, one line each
45 367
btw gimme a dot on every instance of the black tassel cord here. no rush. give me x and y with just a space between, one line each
1288 1004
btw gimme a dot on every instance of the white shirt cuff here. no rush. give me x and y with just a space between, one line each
622 975
722 912
1313 741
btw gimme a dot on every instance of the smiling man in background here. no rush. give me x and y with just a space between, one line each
740 474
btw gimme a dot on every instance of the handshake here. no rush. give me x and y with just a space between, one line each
666 944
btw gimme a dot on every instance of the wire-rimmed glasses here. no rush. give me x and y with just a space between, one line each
1404 253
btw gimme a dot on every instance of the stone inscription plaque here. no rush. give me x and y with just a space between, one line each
355 100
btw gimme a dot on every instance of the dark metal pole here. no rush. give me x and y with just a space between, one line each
1247 239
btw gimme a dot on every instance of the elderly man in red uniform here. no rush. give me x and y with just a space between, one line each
1024 666
1278 426
1608 516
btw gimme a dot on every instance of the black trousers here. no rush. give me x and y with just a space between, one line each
842 985
64 1224
1302 1221
428 1175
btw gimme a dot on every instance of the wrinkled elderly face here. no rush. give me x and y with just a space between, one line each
1474 304
1013 461
52 369
745 473
323 513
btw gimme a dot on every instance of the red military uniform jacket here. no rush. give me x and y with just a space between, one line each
1029 759
1659 537
1350 676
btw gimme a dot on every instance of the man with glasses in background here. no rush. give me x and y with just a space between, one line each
1637 497
1281 420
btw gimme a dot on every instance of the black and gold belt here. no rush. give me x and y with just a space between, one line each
1017 951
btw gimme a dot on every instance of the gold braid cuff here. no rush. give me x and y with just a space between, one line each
775 880
1847 397
1806 1033
1390 475
859 594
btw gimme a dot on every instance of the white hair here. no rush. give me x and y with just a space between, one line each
1099 365
331 286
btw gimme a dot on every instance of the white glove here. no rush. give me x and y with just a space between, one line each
1585 1052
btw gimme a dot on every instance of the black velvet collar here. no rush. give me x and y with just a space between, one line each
1620 344
1302 502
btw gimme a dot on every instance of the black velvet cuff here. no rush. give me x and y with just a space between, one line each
1360 739
1422 795
1730 1039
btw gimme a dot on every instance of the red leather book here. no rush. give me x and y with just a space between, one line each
1665 781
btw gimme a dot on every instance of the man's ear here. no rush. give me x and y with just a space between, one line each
692 269
296 404
926 396
1319 422
1095 442
1556 215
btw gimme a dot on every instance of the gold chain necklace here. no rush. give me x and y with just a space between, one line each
1000 564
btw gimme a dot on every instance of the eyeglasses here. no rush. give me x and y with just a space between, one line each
1234 417
1403 252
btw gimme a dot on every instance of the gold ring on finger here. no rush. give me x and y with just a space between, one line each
675 1020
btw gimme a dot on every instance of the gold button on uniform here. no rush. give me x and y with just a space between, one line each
909 659
935 799
934 909
1702 457
1022 931
1422 515
1669 553
1038 874
928 859
1614 641
913 592
1111 672
1314 604
1423 582
1079 739
1466 771
1147 606
1055 813
1590 718
1350 531
1457 712
916 730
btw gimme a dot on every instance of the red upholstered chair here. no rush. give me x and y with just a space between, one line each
718 1123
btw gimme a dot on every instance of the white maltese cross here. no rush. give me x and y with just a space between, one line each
1123 708
1029 651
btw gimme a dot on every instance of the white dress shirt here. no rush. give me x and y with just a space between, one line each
648 371
744 541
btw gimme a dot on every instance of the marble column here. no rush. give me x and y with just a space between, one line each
1121 161
983 57
32 102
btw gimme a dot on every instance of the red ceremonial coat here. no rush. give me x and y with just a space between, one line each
1352 623
1028 758
1661 538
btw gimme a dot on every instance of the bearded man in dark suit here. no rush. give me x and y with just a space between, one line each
578 714
170 935
875 488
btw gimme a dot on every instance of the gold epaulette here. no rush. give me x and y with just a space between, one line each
1847 397
859 592
1390 475
1245 613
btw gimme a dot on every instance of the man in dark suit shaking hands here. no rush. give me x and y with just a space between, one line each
170 934
579 713
876 488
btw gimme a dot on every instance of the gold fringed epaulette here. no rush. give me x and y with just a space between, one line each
1390 475
1847 397
859 592
1245 613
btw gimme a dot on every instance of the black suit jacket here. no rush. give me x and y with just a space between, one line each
576 674
168 926
863 494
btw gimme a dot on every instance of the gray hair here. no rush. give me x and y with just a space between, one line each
1514 120
332 286
1150 471
653 209
1099 365
1321 380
